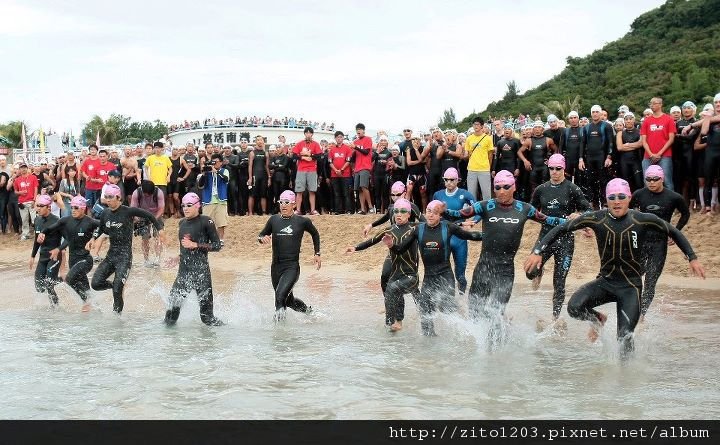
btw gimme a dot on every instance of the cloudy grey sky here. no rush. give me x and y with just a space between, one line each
388 64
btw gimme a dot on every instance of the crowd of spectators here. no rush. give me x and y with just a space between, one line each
252 121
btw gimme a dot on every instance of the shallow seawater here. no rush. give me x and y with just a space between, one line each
340 362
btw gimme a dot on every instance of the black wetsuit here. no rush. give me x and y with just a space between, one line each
620 242
244 191
191 180
260 177
415 215
403 276
559 201
118 225
381 186
287 235
683 152
438 287
631 161
539 154
712 160
76 233
654 252
194 271
280 171
46 272
494 273
596 147
571 142
506 157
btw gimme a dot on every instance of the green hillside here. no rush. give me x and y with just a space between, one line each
672 51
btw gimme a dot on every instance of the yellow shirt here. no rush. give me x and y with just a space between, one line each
478 148
158 168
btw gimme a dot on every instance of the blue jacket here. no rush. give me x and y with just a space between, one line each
204 183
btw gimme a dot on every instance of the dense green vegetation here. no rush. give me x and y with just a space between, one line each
672 51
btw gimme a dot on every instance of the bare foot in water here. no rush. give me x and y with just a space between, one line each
595 329
396 326
86 307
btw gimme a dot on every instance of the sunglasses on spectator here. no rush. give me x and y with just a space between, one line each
653 179
109 196
77 208
503 187
617 196
284 202
187 206
396 194
403 211
555 169
449 179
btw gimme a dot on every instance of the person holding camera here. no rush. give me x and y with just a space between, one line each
150 198
25 185
213 182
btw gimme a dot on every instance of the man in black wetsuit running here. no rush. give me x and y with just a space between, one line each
285 231
434 239
76 231
198 236
46 272
559 198
117 222
403 277
620 234
503 220
662 202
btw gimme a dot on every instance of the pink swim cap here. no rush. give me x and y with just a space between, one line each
556 160
402 203
287 195
504 177
451 173
397 187
191 198
45 200
617 185
436 203
655 171
78 201
112 190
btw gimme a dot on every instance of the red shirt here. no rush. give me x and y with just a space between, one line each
315 149
363 162
91 167
28 183
658 130
339 155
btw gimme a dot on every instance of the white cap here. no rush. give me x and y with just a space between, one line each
647 110
595 108
552 118
383 138
623 109
675 108
538 124
272 148
227 146
621 120
708 107
629 114
689 104
717 97
573 114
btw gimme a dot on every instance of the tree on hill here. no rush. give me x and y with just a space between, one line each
448 119
671 51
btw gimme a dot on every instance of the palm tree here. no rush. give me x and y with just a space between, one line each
12 132
108 133
561 109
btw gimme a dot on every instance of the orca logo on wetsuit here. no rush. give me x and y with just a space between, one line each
654 207
634 238
553 204
112 224
504 220
286 231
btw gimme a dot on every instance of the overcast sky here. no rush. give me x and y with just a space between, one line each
389 64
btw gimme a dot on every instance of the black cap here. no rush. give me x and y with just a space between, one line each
158 144
309 129
360 126
114 173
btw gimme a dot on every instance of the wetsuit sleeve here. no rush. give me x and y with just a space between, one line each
362 150
372 241
416 211
684 212
312 230
535 200
383 219
475 209
469 201
201 180
36 247
213 244
58 227
542 218
224 174
142 213
654 222
100 227
609 139
267 230
461 233
568 226
581 202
